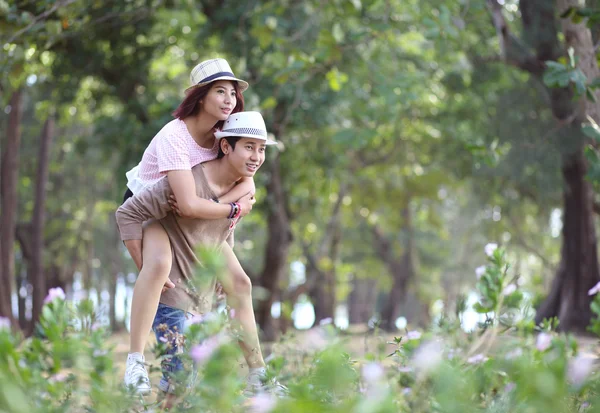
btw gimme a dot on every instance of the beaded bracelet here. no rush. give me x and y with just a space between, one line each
238 211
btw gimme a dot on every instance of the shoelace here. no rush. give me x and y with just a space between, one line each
138 373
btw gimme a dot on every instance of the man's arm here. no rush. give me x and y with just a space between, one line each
151 202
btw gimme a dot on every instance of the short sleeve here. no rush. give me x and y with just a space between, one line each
172 154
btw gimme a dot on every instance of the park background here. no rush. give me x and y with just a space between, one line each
411 135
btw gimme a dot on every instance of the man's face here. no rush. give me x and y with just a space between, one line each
248 156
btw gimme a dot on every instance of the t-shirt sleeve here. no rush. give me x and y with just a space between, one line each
151 202
172 154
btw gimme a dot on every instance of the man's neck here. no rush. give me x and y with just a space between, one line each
201 128
220 176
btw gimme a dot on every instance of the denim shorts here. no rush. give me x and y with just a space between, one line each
174 320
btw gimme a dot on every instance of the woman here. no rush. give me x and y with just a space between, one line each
214 94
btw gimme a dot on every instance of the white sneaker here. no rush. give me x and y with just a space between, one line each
136 376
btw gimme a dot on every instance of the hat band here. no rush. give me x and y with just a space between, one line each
246 131
216 75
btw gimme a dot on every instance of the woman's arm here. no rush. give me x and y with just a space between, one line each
192 206
245 187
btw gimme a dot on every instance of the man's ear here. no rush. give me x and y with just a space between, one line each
224 146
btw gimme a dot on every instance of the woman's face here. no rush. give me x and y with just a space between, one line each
220 99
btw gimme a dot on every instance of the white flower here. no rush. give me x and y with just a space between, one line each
406 369
490 248
413 335
594 290
476 359
372 372
4 323
479 271
509 289
579 369
543 341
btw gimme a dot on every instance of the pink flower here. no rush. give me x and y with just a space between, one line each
262 403
509 289
413 335
594 290
53 294
372 372
579 369
490 248
543 341
232 313
477 359
4 323
479 271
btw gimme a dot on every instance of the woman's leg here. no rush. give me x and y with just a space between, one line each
238 287
156 266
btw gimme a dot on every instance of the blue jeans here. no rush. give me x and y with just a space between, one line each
169 326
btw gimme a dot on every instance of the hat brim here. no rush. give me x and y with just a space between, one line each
220 135
242 83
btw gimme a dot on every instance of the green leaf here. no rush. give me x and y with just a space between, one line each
591 131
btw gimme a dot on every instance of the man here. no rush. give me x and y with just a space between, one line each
242 143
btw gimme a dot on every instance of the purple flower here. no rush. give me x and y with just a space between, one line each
509 387
579 369
163 339
406 391
405 369
513 354
58 377
413 335
509 289
197 319
490 248
372 372
262 403
232 313
200 353
477 359
479 271
543 341
594 290
326 321
53 294
4 323
428 356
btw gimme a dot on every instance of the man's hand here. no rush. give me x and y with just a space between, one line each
246 203
169 284
134 246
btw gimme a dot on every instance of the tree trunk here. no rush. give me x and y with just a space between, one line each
279 239
36 270
362 299
8 193
402 270
578 270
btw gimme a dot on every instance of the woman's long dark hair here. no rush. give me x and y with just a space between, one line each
191 104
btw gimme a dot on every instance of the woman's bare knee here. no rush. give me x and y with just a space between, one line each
156 251
242 284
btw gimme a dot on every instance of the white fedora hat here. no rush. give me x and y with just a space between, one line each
211 71
245 125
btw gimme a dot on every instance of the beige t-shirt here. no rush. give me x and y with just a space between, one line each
194 291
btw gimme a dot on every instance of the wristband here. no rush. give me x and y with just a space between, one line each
238 211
